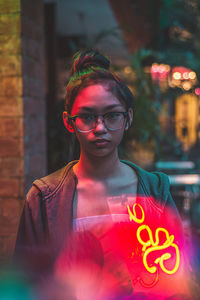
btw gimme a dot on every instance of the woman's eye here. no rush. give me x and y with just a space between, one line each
112 115
87 117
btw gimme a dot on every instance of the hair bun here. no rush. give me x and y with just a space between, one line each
89 58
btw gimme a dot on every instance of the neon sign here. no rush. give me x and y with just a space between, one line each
151 245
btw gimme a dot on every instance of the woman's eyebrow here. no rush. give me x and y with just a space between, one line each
104 108
113 106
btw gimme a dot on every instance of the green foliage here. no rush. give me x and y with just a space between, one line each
178 35
176 44
147 106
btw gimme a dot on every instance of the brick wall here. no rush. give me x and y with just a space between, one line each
22 110
33 71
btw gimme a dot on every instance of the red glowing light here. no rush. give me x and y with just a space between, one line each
159 72
197 91
183 73
144 250
150 245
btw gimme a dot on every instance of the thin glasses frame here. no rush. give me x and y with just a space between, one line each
96 116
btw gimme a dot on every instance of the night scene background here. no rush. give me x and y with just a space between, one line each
153 45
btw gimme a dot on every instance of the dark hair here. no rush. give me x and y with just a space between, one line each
89 68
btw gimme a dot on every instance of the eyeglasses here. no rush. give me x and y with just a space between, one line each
86 122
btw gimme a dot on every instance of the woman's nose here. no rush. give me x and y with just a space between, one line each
99 125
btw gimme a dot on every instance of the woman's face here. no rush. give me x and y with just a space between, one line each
97 99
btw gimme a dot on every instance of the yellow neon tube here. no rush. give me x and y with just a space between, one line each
154 245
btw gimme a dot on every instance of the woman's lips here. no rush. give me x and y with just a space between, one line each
101 142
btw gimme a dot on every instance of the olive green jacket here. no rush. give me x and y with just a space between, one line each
48 211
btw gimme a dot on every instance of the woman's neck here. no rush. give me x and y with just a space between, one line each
97 167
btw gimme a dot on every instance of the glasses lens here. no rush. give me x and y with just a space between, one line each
111 120
114 120
85 122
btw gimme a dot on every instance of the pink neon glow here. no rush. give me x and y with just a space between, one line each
197 91
107 260
159 72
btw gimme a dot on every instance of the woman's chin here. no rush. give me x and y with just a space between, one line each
101 152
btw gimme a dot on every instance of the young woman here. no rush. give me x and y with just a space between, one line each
87 217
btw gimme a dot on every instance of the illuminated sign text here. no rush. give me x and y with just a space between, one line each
151 245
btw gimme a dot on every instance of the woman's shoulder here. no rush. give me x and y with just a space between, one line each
156 183
50 183
154 176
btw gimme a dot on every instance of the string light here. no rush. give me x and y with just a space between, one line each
177 75
186 85
127 70
185 75
192 75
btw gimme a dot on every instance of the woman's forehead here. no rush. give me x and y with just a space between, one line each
96 97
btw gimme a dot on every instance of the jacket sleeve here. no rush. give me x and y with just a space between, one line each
31 230
164 195
170 215
31 248
171 220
